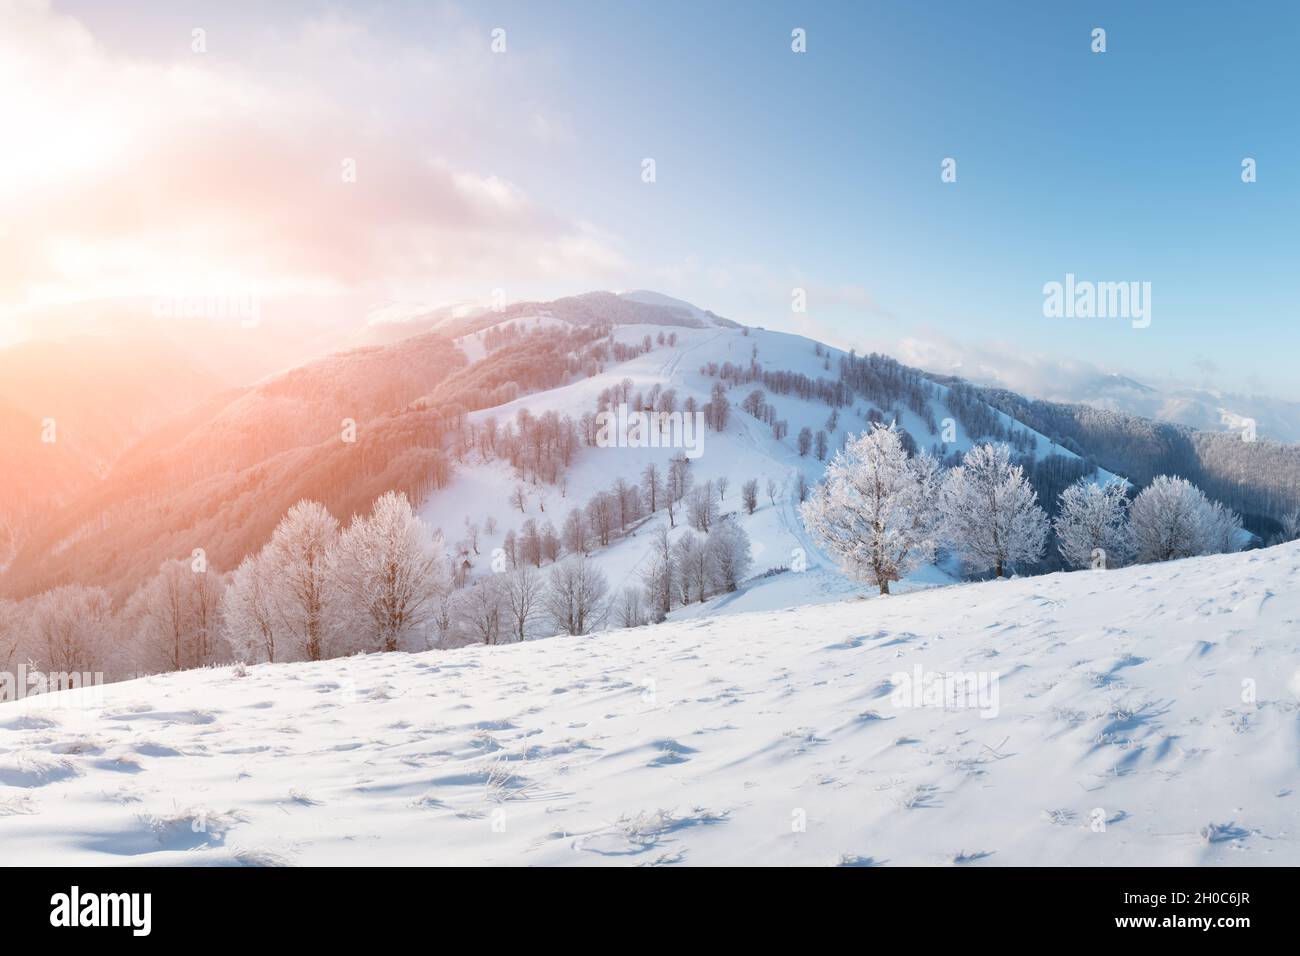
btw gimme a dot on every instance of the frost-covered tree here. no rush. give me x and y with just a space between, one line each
386 571
530 544
1290 526
207 589
991 513
575 596
446 618
659 574
749 495
876 509
157 618
729 554
702 510
521 594
297 553
677 485
630 609
481 609
1093 518
718 409
173 617
70 628
602 513
652 484
628 497
694 569
252 623
1171 518
551 546
12 631
1223 529
576 533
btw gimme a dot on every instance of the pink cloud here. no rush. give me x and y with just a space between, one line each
168 172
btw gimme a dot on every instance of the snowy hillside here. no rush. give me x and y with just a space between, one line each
746 449
1142 716
1204 409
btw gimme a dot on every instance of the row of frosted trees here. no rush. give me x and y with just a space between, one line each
884 513
315 589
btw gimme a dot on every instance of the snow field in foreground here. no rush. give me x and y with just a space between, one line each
1145 715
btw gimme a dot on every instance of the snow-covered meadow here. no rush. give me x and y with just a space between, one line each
1146 715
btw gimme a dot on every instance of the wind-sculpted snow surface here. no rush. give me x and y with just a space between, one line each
1146 715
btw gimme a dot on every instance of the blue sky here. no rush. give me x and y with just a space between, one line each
820 170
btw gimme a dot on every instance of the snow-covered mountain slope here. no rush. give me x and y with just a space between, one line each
701 316
473 345
745 450
1146 715
1203 409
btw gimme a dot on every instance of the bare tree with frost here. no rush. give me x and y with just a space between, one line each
630 610
876 509
659 574
575 596
253 628
387 570
521 593
1092 524
991 513
729 554
71 625
298 550
1173 519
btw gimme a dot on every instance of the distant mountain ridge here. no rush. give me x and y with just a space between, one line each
221 471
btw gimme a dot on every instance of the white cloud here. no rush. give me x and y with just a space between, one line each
129 175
